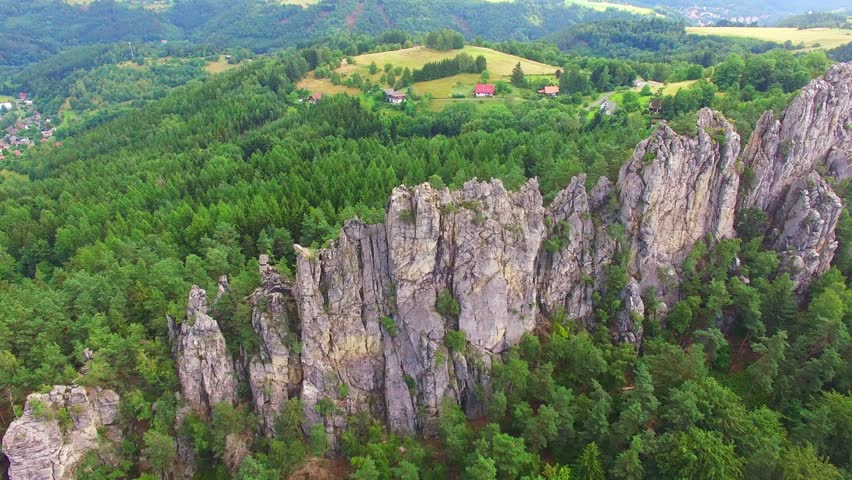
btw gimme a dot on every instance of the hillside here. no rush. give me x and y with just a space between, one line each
500 67
36 30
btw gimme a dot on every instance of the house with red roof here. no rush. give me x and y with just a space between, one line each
484 90
550 91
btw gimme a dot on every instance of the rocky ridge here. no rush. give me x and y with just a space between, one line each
788 157
375 307
380 314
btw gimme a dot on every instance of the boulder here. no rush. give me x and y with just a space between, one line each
58 429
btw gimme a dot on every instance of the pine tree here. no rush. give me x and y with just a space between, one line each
589 464
406 78
517 78
628 465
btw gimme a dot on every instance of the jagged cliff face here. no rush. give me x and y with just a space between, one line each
577 249
479 244
39 447
274 371
787 155
673 191
340 303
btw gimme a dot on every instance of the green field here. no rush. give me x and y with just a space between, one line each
499 63
672 88
482 104
219 66
601 6
812 37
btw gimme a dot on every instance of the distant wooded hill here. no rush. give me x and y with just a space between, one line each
31 30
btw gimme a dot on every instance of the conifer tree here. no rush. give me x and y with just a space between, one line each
589 464
517 78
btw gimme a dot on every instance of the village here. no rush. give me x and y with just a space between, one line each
22 126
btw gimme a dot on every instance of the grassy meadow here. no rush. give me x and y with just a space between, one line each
499 63
219 66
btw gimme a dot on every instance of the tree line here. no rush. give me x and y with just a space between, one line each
461 63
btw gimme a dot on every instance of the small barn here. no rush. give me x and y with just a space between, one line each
656 105
549 91
484 90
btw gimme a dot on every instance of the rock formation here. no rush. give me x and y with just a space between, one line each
480 246
370 326
372 311
274 371
204 366
577 249
340 293
673 191
368 303
786 155
58 429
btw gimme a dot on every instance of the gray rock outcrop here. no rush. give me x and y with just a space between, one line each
675 190
577 249
274 371
786 155
628 321
340 294
480 244
42 447
204 366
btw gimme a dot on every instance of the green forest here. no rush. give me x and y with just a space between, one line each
174 176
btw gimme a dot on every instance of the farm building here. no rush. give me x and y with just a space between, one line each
484 90
656 105
395 97
315 98
550 91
